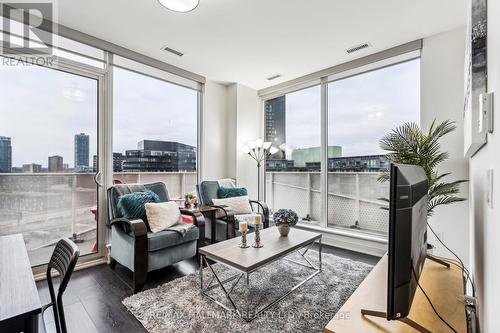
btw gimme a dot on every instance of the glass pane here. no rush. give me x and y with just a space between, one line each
361 110
48 130
293 122
154 132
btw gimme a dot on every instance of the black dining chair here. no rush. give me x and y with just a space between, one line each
63 260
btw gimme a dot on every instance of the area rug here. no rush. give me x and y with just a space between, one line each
177 306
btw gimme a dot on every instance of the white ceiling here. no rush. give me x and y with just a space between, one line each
246 41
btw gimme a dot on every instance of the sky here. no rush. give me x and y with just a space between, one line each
43 122
42 109
361 109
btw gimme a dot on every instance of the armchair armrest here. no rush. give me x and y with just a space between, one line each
140 234
199 221
229 214
136 226
265 211
229 220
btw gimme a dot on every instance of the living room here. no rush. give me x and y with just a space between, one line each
249 166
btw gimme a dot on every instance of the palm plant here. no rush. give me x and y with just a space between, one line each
408 144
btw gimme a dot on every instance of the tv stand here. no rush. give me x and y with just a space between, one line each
439 261
444 284
407 321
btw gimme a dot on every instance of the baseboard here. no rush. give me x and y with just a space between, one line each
362 243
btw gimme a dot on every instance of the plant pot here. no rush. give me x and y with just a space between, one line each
284 229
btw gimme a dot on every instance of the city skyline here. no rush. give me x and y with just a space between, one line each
56 162
62 104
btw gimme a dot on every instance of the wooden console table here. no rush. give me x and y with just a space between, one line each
19 301
444 286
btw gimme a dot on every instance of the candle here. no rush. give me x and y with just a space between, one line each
257 219
243 227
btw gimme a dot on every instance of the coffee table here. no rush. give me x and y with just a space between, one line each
248 260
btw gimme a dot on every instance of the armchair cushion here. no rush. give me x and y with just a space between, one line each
168 238
132 205
228 192
240 205
162 215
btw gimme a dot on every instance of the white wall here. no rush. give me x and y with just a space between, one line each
442 94
485 237
249 127
215 132
232 107
232 117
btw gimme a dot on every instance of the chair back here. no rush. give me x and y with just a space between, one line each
115 191
63 260
207 191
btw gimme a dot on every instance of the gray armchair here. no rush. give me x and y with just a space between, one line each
142 251
226 226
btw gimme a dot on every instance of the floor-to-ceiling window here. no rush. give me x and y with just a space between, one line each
351 110
48 131
361 110
78 119
293 124
155 132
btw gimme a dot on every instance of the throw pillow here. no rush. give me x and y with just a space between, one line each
162 215
228 192
131 206
240 205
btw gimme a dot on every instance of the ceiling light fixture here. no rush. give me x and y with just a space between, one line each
182 6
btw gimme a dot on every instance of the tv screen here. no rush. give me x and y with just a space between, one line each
407 236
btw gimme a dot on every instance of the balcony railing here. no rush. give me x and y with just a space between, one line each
48 206
353 198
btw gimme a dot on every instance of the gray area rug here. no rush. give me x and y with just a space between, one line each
177 306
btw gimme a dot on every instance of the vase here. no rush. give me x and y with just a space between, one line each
284 229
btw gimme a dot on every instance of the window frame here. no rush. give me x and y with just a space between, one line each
104 77
394 56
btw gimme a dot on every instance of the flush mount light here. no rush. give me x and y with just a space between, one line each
180 5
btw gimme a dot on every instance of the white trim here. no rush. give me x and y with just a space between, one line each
350 240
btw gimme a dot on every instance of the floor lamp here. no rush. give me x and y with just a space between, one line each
259 151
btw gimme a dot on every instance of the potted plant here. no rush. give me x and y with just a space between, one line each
408 144
284 219
190 200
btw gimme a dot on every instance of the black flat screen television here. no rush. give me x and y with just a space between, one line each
407 236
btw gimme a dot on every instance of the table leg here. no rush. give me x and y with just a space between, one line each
319 254
213 226
31 324
201 274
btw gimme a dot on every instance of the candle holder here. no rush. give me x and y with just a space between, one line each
257 243
243 243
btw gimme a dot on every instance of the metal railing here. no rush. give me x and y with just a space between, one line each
353 198
48 206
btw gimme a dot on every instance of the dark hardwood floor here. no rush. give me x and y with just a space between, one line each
93 298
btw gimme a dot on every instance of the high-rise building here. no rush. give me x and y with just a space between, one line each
166 156
56 163
302 156
275 111
5 154
32 168
118 159
82 152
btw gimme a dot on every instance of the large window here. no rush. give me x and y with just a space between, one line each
362 106
154 132
48 131
58 145
361 110
292 175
